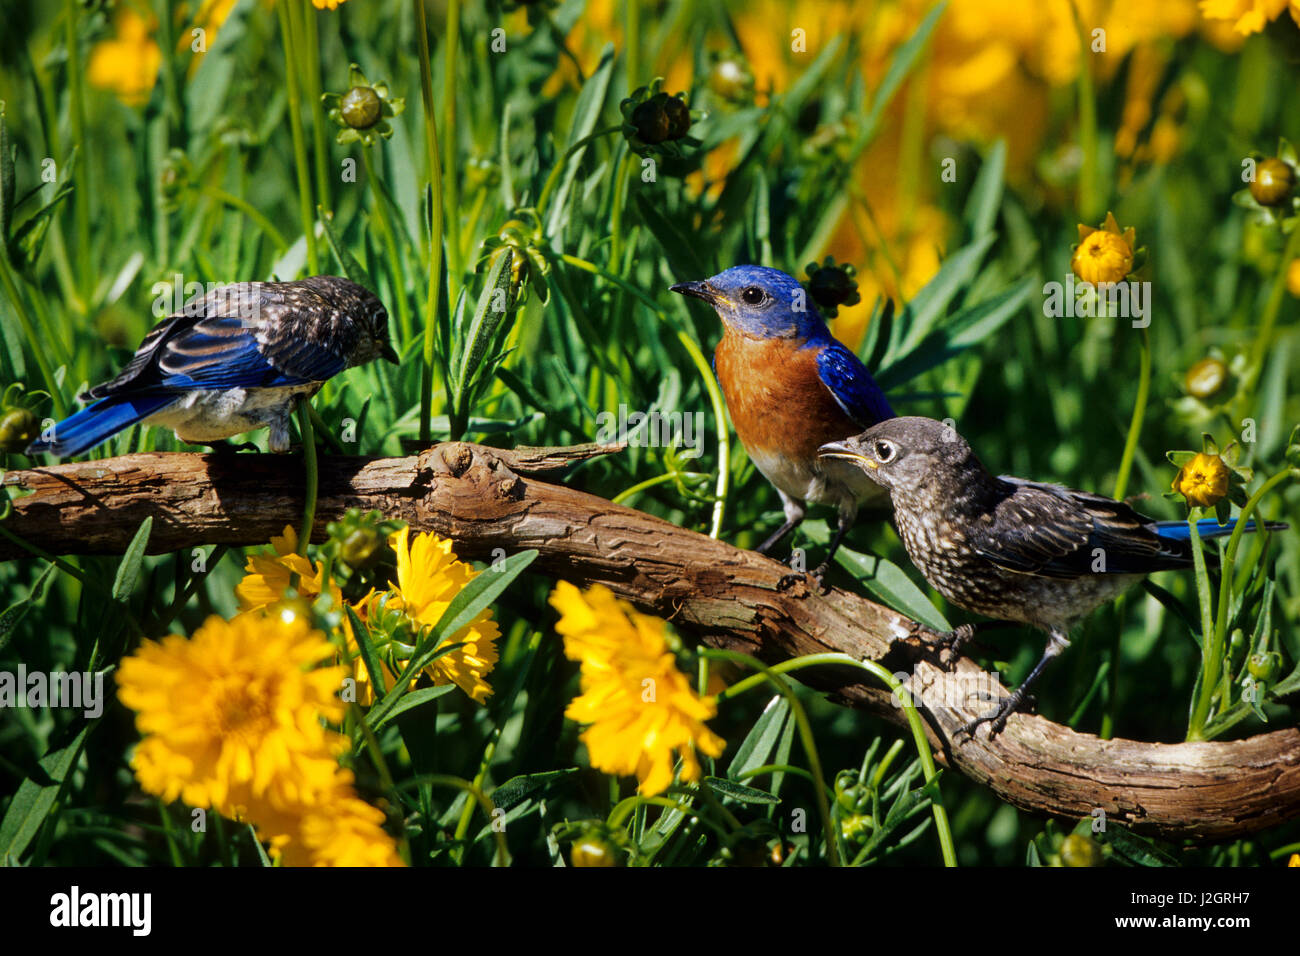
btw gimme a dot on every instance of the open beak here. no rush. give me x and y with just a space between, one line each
698 290
847 452
389 354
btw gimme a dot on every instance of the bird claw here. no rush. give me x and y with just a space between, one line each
997 718
951 641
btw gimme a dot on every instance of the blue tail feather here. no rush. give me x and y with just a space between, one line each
98 422
1207 528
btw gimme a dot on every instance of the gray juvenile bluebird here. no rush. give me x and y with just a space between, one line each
1007 548
790 388
232 361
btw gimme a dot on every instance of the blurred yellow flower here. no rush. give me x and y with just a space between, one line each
1103 255
341 830
1203 480
231 718
327 4
1293 278
428 577
128 63
641 709
1249 16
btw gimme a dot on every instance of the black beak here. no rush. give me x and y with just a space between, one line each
389 354
696 290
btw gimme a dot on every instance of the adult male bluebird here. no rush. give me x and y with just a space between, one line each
791 387
1007 548
235 360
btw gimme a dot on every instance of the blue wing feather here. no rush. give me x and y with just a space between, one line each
851 384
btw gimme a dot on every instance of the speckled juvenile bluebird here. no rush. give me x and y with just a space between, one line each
233 361
1011 549
791 387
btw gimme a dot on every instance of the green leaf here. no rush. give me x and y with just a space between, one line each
366 649
738 791
757 746
26 244
10 619
899 67
986 194
413 699
128 572
483 327
518 789
351 268
928 306
6 178
586 113
33 801
889 583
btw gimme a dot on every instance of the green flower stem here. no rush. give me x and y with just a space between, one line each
1213 648
459 783
313 475
805 731
29 332
1121 487
251 211
451 188
320 151
301 165
641 486
386 235
624 809
1271 309
435 226
1135 423
706 373
942 827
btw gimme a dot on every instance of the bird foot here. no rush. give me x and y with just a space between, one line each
996 718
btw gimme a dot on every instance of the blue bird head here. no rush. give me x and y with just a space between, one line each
759 302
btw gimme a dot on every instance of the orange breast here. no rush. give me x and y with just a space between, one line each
776 398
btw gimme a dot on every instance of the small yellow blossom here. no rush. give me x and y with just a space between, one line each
428 577
1103 255
231 717
128 63
327 4
267 577
1293 278
641 709
1203 480
1249 16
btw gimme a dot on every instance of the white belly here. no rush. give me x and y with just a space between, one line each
210 415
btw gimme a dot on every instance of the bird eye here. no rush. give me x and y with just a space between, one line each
753 295
884 451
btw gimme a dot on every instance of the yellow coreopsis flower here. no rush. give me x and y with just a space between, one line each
267 577
327 4
1103 255
128 63
231 718
641 709
428 577
1203 480
1249 16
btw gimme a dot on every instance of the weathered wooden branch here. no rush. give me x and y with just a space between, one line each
486 499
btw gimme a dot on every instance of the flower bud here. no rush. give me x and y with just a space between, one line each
1274 180
1206 378
361 107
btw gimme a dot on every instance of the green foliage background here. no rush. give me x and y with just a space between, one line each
202 178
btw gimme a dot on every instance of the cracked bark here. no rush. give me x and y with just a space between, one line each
486 498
